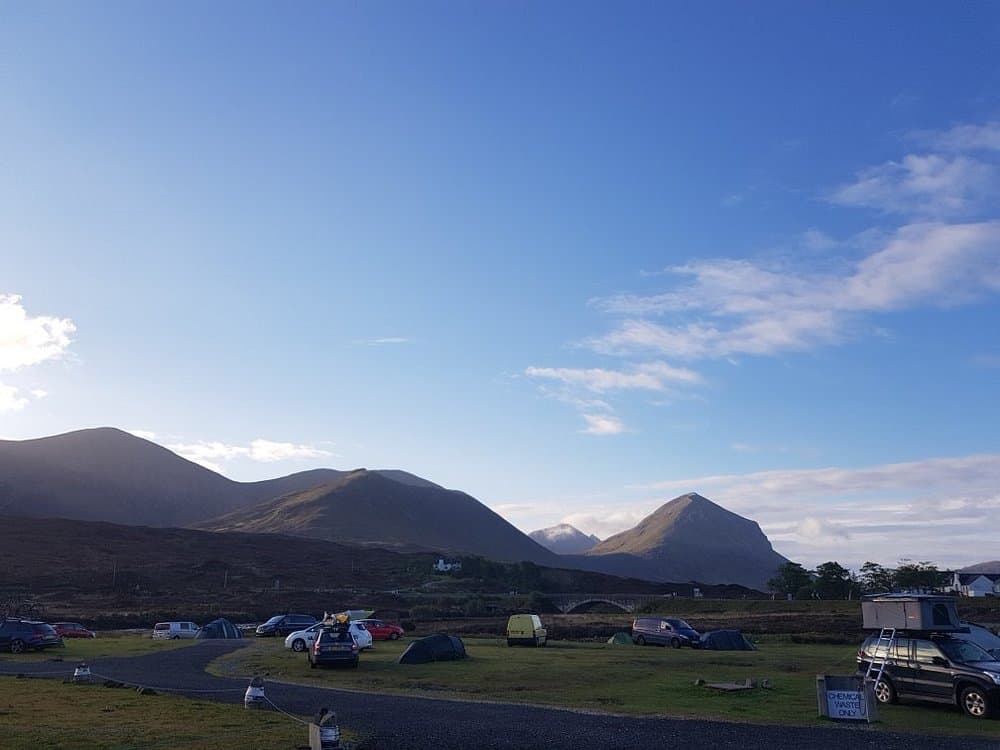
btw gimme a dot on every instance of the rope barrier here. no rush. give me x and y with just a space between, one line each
169 689
277 708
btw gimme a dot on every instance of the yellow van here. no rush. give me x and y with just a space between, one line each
525 630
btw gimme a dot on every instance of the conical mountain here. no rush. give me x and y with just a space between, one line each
564 539
367 508
106 474
690 538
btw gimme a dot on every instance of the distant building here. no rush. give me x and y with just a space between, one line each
977 584
443 566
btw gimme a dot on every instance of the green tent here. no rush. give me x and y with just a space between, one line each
620 639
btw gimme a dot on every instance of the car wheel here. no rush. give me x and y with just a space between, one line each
17 646
975 702
675 643
393 636
640 641
298 645
885 692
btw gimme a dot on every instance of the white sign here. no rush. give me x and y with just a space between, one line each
846 704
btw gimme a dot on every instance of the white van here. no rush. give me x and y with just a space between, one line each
173 630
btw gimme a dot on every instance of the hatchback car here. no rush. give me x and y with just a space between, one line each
282 625
72 630
18 636
334 646
382 631
664 631
301 640
937 668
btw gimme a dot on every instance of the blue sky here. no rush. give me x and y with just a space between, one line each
573 259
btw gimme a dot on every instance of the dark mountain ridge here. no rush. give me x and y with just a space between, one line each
368 508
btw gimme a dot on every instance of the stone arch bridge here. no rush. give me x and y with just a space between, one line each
567 603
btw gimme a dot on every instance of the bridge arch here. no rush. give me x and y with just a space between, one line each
572 607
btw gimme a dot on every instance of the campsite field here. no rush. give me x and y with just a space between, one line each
112 644
47 713
623 679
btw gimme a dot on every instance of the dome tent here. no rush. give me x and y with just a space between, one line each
220 628
726 640
436 647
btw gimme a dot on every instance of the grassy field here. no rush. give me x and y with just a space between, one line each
84 649
619 679
36 713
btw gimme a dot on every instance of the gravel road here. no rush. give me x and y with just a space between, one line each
405 723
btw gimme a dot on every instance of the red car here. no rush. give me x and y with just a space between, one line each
382 631
72 630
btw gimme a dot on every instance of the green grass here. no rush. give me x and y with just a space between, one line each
37 713
83 649
645 681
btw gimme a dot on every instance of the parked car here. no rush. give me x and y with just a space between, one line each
72 630
334 646
301 640
172 631
18 636
664 631
382 631
284 624
526 630
937 668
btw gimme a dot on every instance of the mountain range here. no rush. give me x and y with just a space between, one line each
106 474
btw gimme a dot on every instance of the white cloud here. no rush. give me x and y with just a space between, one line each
27 340
269 451
10 400
144 434
38 393
207 453
384 341
650 376
923 185
745 308
985 137
603 424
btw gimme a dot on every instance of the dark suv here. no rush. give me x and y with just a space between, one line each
18 636
284 624
334 645
937 668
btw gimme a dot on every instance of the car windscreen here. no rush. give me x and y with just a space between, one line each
162 626
274 620
964 651
680 624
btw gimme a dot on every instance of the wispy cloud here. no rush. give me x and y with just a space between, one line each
386 341
603 424
969 137
10 399
649 376
144 434
209 453
741 307
928 185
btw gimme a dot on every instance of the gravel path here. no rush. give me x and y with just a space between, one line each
404 723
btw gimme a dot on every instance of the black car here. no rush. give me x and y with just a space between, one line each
284 624
664 631
18 636
938 668
334 645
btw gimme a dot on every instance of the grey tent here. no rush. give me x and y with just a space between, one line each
726 640
220 628
436 647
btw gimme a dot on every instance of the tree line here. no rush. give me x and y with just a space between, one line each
831 580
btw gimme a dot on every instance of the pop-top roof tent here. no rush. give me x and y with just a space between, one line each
911 612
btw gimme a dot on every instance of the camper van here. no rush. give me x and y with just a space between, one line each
525 630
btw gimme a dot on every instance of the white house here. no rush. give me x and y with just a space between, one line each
442 566
977 584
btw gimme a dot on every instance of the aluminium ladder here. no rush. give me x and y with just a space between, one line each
876 664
